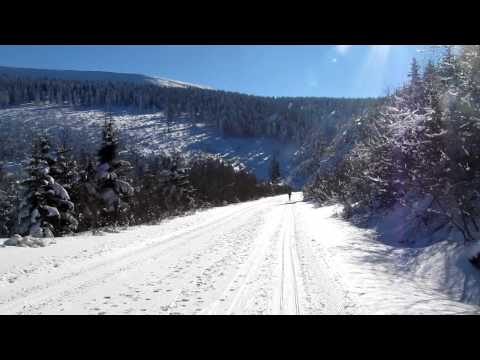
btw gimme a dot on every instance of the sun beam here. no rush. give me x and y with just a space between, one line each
374 68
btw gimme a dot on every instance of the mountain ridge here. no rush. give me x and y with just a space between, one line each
94 75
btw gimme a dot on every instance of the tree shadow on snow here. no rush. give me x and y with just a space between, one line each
291 202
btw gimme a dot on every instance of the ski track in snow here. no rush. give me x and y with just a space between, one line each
268 256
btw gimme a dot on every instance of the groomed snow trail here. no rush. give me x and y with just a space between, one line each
268 256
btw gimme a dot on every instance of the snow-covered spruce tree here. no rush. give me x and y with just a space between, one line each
421 151
65 172
461 134
445 163
111 175
8 196
65 169
43 200
416 90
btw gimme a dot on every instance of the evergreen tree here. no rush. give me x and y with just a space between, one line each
449 69
87 201
416 85
274 170
7 201
430 82
43 200
419 152
111 173
65 172
65 168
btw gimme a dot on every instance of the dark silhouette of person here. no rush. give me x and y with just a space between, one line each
289 194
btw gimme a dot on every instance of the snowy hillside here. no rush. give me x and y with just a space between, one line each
143 133
95 76
249 129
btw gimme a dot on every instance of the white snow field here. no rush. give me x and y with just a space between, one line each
146 134
268 256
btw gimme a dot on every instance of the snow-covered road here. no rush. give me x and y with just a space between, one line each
268 256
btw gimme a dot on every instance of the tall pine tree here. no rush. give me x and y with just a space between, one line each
112 185
44 201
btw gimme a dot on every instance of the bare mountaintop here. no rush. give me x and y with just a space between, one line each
96 76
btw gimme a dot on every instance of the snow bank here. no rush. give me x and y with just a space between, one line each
444 267
384 277
26 241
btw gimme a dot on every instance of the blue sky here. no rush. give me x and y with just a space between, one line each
274 70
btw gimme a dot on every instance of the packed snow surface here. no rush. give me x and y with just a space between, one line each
269 256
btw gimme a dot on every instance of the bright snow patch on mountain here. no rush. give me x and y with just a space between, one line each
176 83
147 133
96 76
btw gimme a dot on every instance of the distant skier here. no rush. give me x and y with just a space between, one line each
289 194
